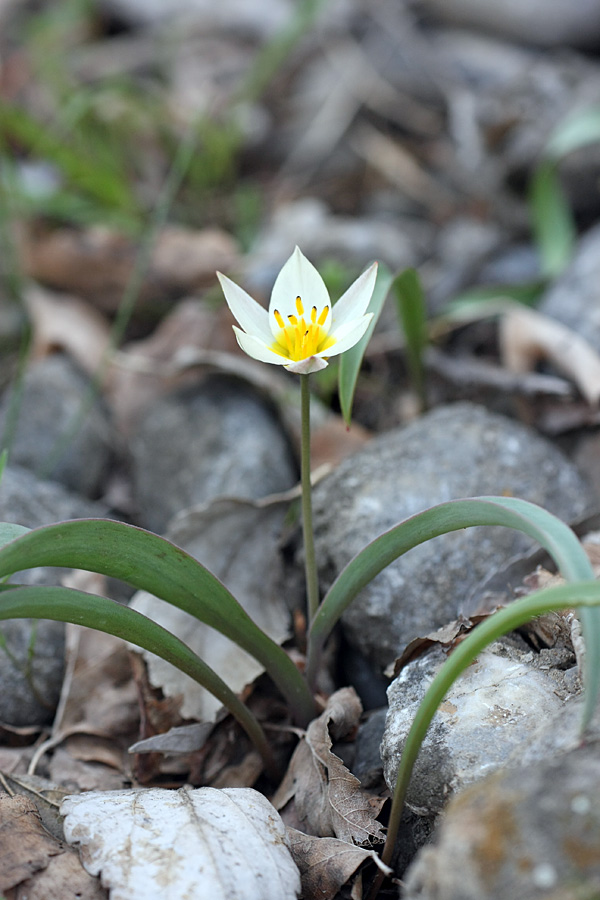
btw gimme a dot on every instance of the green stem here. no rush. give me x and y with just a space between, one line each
583 594
310 564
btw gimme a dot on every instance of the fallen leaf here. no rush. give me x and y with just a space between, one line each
97 263
527 336
36 865
447 637
150 844
250 567
328 798
144 370
24 844
326 864
62 322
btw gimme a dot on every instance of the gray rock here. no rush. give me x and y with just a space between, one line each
58 435
530 833
573 299
530 21
216 439
452 452
26 500
490 711
32 651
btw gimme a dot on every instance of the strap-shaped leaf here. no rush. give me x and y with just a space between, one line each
351 360
80 608
151 563
556 537
583 595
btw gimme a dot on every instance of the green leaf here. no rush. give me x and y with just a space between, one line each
107 187
585 595
153 564
556 537
552 219
577 130
102 614
351 360
412 312
8 532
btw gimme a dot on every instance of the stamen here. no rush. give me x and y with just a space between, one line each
299 307
313 315
323 315
279 318
293 320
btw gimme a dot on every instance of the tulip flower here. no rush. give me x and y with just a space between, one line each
302 329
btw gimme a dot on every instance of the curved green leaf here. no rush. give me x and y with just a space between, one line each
8 532
102 614
556 537
351 360
583 594
151 563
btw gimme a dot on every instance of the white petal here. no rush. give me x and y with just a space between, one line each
348 335
298 278
257 349
306 366
355 301
253 318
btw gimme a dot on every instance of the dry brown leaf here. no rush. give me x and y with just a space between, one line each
62 322
329 800
334 441
25 847
527 336
446 637
97 263
144 370
326 864
34 864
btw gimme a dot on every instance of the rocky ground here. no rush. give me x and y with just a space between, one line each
142 151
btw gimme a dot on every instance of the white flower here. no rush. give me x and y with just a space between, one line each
301 330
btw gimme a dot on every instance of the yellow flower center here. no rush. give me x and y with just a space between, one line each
302 337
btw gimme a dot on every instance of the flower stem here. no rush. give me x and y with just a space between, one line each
310 565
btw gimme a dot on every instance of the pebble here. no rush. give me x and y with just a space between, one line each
219 438
59 433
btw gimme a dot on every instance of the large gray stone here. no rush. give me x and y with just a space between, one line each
488 713
32 651
452 452
216 439
63 431
531 833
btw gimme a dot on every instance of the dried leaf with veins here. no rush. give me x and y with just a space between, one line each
328 798
155 843
326 864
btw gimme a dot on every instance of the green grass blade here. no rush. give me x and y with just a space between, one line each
102 614
577 130
351 360
556 537
552 220
585 595
151 563
412 312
